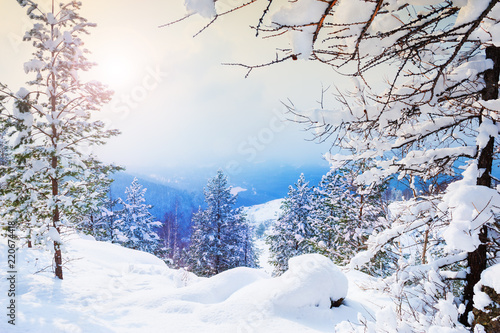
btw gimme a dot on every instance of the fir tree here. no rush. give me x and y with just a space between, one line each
290 235
99 220
200 259
345 214
219 239
333 201
243 241
135 225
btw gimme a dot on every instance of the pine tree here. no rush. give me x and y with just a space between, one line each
99 220
135 225
219 240
48 184
218 217
290 235
345 214
243 241
333 202
200 258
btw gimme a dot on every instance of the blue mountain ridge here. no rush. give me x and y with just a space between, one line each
262 183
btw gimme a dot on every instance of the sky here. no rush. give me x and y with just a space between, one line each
177 106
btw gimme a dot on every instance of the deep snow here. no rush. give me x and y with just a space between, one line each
107 288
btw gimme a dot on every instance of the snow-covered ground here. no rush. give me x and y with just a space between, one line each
264 212
107 288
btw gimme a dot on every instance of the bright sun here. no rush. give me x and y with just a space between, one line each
115 71
122 56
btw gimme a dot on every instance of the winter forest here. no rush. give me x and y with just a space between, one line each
399 232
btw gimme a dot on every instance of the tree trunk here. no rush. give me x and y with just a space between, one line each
54 162
57 246
476 261
219 240
55 221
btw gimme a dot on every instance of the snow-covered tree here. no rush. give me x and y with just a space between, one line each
170 234
243 240
290 235
220 239
135 227
99 220
344 214
437 107
200 259
49 183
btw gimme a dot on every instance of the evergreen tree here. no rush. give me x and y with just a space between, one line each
345 214
48 184
333 203
135 225
290 235
200 259
243 241
219 239
99 220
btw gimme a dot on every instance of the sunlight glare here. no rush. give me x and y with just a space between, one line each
116 71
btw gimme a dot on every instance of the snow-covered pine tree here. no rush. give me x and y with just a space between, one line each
135 227
218 219
48 184
5 161
200 258
98 220
290 235
243 240
331 205
218 239
345 214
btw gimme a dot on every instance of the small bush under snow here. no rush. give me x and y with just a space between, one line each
311 280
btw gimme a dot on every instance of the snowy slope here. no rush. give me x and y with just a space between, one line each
264 212
107 288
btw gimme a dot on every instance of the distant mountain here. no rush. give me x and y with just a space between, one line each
267 183
262 182
163 198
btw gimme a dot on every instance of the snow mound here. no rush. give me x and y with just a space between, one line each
311 280
305 290
219 287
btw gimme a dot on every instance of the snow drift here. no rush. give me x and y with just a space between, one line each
108 288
